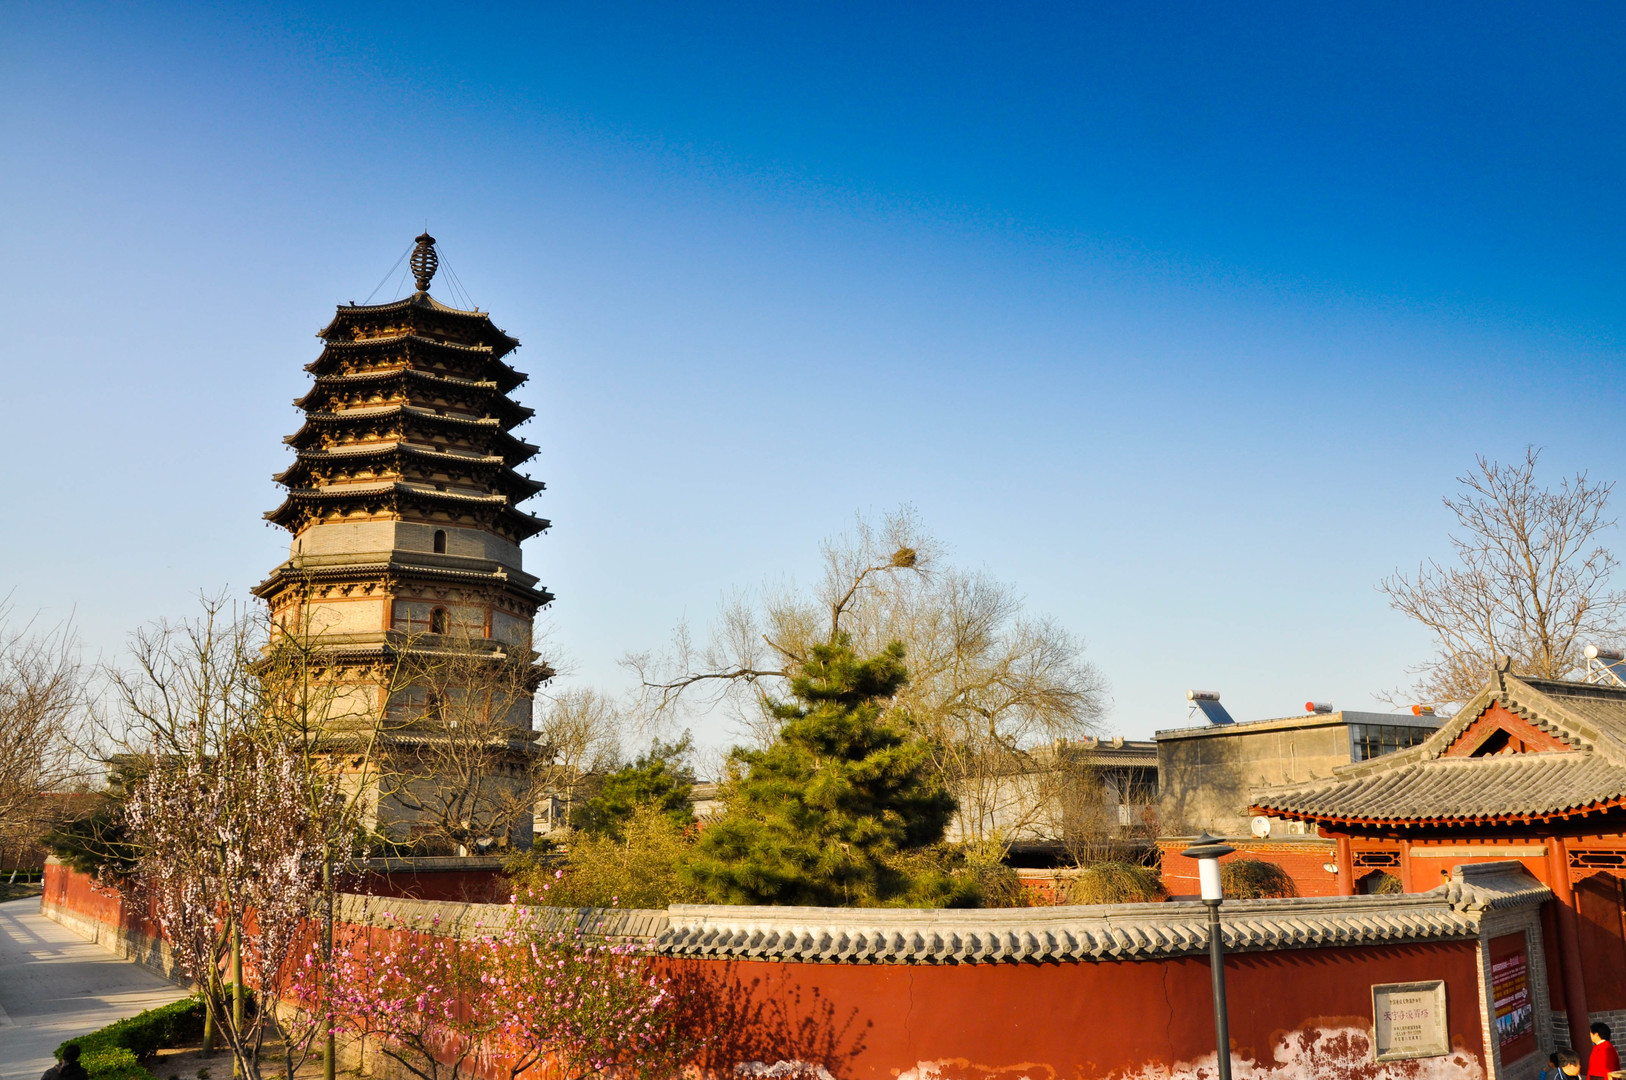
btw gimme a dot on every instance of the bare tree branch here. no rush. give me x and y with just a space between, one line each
1530 580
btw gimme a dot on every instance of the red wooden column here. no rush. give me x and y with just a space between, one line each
1568 921
1346 867
1405 866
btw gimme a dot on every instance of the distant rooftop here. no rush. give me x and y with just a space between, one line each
1307 720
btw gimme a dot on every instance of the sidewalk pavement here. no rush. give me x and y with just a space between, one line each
55 985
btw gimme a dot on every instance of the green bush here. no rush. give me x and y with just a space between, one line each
110 1063
115 1052
634 867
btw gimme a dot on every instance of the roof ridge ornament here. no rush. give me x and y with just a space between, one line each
424 261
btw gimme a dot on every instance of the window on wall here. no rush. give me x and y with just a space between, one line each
437 621
440 541
1368 741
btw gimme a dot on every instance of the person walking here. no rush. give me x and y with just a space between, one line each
68 1068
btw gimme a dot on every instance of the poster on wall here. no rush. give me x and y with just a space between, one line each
1510 990
1408 1021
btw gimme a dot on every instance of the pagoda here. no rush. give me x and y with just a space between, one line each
404 496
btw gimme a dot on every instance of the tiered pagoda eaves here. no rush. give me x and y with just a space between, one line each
404 497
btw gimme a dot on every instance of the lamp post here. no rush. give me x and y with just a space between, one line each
1208 850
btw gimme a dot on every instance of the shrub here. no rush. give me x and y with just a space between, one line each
993 884
115 1052
1255 879
1115 883
637 868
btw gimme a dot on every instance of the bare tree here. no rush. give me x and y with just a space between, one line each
465 764
580 728
1531 580
987 685
41 698
187 689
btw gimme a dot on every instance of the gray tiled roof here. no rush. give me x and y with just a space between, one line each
1009 935
1457 788
1420 784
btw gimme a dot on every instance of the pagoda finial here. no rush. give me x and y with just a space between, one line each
424 261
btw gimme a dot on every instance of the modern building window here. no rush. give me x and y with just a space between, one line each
1367 741
440 541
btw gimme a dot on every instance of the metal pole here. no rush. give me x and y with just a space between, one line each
329 1043
1216 965
236 990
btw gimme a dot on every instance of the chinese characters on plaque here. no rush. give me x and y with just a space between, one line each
1408 1021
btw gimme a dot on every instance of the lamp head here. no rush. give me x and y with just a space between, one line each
1208 850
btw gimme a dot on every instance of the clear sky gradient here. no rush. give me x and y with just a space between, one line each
1181 318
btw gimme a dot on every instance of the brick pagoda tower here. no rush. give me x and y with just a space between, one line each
403 499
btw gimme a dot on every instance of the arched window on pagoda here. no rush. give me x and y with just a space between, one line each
437 621
440 541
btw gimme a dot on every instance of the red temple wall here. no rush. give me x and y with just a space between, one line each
1299 1014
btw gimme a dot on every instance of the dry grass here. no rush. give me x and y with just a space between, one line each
1255 879
1115 883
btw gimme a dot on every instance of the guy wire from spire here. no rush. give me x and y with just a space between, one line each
456 283
386 276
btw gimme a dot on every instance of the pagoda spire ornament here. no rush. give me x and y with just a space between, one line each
424 261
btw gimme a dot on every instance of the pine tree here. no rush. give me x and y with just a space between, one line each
829 813
661 778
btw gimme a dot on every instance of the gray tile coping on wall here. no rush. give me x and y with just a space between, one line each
1452 911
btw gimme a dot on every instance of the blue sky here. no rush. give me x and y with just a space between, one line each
1181 318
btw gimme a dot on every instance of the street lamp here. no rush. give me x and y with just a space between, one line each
1208 850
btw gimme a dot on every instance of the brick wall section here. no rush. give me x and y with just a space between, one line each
1528 923
1304 860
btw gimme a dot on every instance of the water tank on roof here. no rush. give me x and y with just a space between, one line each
1207 702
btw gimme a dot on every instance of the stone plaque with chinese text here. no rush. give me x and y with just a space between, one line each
1408 1021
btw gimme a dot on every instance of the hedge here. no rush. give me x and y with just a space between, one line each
115 1052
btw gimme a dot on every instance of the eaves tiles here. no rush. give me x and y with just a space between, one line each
1019 935
1426 786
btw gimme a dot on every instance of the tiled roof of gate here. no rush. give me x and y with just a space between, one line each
1422 785
1458 789
1012 935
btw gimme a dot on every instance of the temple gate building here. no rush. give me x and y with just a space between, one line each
403 501
1532 770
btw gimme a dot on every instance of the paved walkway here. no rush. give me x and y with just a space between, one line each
55 985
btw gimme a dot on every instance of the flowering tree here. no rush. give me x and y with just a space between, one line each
227 846
541 990
587 1004
424 997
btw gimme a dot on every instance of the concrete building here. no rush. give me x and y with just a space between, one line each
1206 773
1042 800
